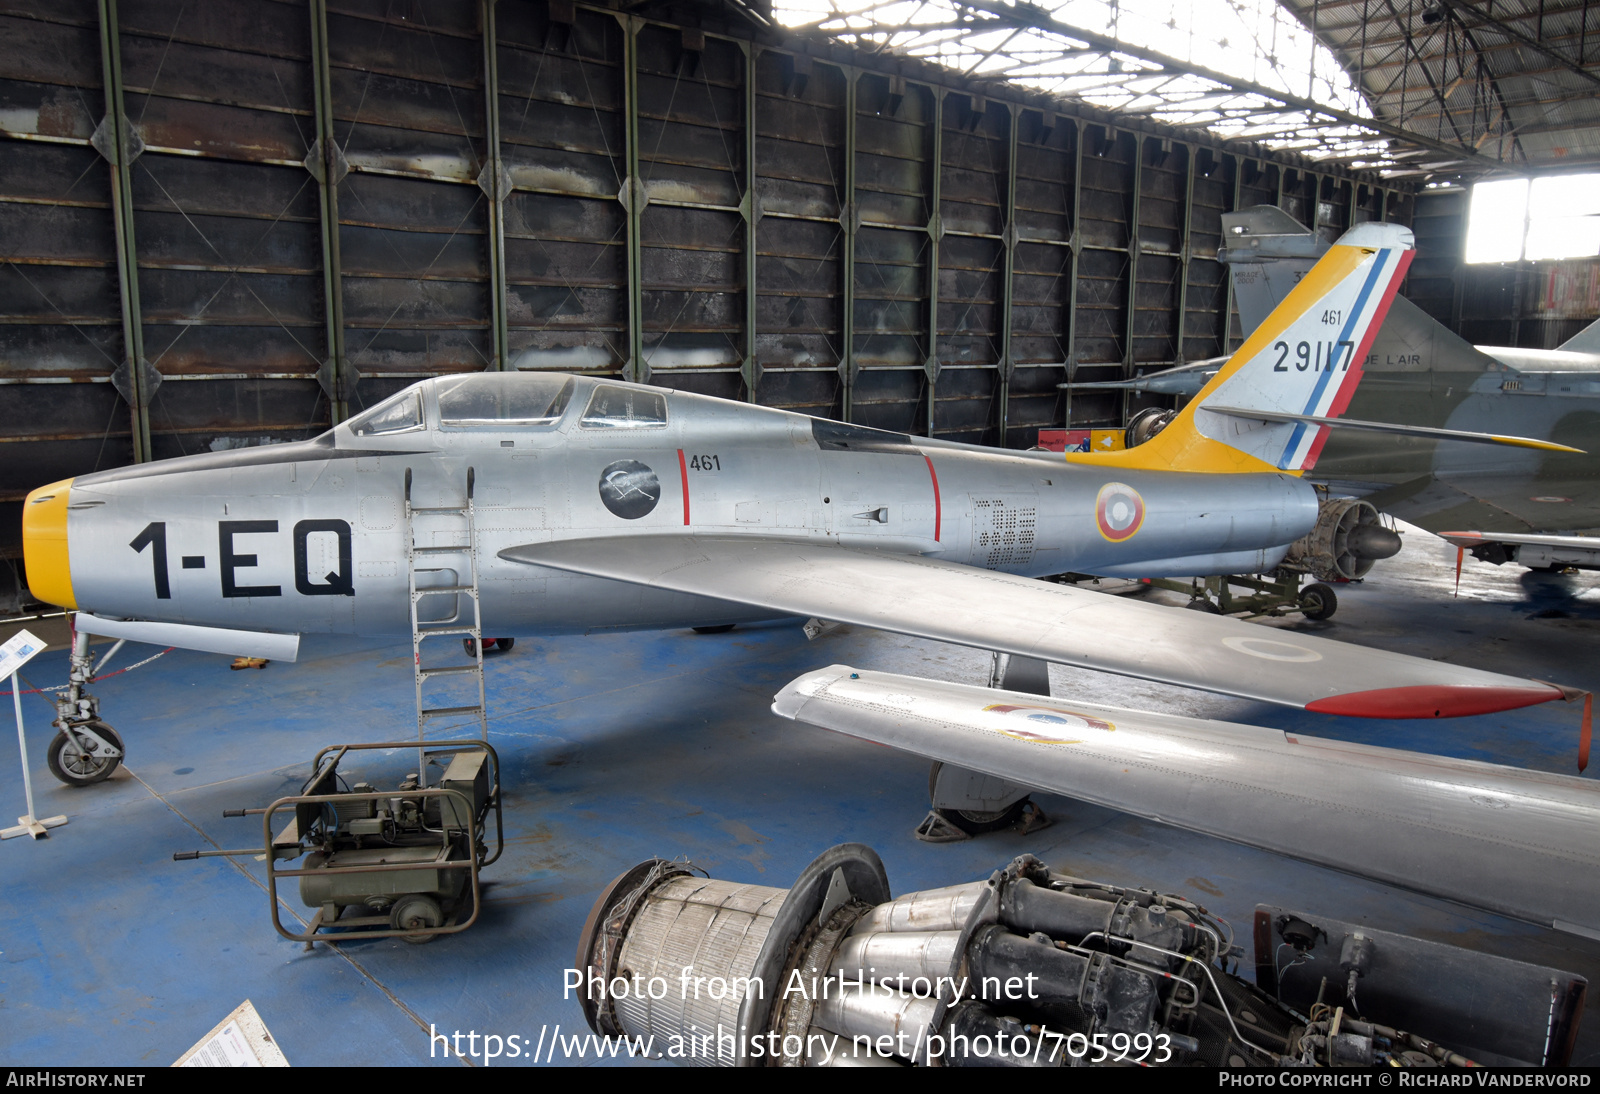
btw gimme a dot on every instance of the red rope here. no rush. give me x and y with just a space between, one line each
97 679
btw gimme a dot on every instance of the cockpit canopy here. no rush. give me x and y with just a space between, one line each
510 401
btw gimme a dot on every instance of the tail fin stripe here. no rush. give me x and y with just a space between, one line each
1350 323
1347 390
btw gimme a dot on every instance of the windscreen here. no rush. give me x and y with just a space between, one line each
396 415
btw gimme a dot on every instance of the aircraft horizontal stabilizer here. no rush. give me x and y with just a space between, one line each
1512 841
988 610
274 647
1182 380
1393 428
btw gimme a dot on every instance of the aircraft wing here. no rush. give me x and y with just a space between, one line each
1513 841
950 602
1478 539
1526 549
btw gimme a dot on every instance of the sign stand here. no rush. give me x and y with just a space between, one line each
16 652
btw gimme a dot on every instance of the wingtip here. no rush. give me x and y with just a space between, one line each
1435 700
1532 442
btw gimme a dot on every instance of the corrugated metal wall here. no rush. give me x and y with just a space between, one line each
306 205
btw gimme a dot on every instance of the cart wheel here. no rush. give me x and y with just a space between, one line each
414 912
723 628
1200 604
1318 602
503 644
75 767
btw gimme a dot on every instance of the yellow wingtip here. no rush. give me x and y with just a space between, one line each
1543 446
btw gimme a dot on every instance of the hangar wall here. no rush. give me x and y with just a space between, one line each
283 211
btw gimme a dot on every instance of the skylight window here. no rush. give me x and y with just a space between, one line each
1513 220
1250 40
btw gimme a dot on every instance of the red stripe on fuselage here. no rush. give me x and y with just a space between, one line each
1352 379
938 510
683 473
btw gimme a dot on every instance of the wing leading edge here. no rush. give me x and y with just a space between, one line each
949 602
1513 841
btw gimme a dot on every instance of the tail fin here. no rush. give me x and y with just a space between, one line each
1586 340
1303 363
1267 253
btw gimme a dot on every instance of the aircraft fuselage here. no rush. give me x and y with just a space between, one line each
311 537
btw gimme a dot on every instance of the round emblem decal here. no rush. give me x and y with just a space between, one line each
629 489
1044 725
1118 511
1270 650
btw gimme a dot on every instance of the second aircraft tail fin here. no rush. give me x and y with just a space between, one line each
1261 411
1586 340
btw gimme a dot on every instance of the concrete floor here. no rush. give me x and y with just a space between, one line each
617 748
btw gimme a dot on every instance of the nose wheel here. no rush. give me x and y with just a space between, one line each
77 759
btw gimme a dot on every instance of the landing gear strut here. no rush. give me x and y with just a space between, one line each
85 750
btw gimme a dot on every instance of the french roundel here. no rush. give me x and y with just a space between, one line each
1118 511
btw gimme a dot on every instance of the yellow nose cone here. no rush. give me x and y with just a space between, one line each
44 544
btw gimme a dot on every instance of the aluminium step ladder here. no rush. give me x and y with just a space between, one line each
455 626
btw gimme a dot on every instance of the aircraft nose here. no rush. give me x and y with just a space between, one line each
44 544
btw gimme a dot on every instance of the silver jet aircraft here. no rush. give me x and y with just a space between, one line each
569 504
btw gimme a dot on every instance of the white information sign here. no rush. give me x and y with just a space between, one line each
15 652
239 1040
18 650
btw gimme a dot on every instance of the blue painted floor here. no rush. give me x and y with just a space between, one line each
618 748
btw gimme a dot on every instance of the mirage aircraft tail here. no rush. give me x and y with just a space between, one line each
1268 408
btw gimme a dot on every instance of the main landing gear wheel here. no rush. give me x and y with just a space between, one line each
75 765
721 628
1318 602
974 823
415 912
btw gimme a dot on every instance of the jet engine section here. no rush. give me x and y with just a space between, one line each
1345 543
1146 424
1028 968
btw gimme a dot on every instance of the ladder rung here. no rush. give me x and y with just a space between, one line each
441 712
439 509
425 590
420 633
451 670
457 549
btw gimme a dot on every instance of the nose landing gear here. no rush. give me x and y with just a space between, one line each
85 750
